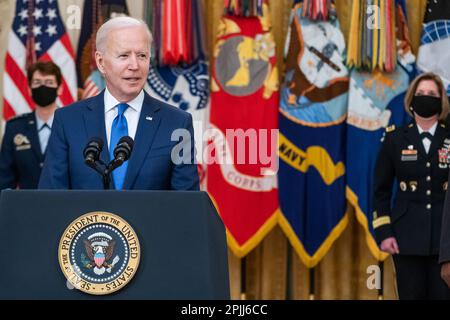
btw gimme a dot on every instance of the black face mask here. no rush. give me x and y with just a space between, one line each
44 96
426 106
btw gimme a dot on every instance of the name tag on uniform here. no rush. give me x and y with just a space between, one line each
23 147
409 155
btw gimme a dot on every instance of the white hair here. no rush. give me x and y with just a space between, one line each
117 23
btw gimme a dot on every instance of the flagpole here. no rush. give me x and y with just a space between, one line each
381 290
312 283
148 11
289 271
243 278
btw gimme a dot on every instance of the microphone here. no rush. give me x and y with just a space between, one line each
92 151
122 152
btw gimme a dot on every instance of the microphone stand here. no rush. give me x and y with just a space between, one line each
106 179
113 165
104 170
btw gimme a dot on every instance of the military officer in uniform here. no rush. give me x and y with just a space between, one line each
416 159
26 136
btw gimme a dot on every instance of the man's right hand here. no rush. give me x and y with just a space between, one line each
390 245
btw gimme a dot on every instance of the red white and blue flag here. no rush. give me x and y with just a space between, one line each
37 34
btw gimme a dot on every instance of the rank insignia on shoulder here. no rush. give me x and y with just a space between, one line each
19 116
411 125
442 125
390 128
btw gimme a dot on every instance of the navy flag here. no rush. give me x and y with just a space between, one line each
312 134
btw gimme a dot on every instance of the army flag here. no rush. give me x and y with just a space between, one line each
182 78
185 87
434 50
312 134
375 102
242 159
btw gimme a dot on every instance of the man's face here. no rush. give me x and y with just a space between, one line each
125 62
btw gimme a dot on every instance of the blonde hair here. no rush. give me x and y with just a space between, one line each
117 23
443 93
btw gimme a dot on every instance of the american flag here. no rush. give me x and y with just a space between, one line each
37 34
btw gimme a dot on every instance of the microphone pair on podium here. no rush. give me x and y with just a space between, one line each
122 153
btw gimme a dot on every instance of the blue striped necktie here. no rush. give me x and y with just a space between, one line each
119 129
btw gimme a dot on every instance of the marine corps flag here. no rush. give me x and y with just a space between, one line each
434 51
312 132
375 102
242 159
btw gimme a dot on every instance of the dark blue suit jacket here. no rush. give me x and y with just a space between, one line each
21 158
150 166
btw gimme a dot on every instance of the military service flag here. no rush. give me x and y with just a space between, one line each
434 51
375 102
183 84
241 171
312 134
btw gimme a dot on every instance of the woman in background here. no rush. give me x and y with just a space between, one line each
416 159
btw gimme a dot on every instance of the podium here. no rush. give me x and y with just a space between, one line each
183 252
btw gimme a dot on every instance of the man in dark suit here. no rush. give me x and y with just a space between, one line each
26 136
122 109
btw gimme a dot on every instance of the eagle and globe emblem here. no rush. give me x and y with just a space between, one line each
99 253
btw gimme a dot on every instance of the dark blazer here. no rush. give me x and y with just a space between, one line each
150 166
414 217
21 159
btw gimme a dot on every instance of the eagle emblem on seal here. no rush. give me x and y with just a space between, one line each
99 249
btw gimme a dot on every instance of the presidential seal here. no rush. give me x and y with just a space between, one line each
99 253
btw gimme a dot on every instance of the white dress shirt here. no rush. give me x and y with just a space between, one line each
132 113
44 130
427 142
